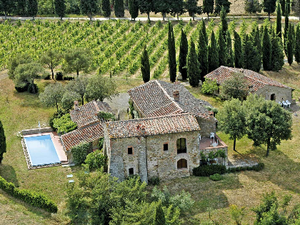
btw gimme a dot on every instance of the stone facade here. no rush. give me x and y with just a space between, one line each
149 159
280 93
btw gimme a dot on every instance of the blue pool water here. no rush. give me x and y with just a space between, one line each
41 150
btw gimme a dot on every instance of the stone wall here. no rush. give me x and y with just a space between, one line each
280 93
207 126
37 131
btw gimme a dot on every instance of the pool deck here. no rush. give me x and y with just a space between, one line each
57 144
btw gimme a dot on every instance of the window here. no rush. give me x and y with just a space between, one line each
181 145
166 147
130 151
181 164
131 171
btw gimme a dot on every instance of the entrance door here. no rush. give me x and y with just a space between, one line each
273 97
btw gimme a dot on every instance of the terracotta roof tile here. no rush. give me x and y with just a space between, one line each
152 126
254 79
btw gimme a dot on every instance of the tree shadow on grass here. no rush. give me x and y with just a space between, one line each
9 174
279 169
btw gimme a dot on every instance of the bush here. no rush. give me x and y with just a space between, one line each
68 78
59 76
208 170
30 197
22 87
80 152
209 87
154 181
257 168
64 124
216 177
95 160
56 115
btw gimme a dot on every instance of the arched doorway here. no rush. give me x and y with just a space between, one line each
273 97
182 164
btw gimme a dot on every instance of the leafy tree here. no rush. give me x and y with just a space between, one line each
133 8
183 55
60 8
119 8
297 44
68 99
77 60
32 8
15 62
209 87
222 3
100 87
208 7
267 50
232 120
278 20
162 7
192 8
252 6
28 72
269 6
20 7
193 68
6 6
80 151
146 6
88 7
159 215
78 86
290 45
237 214
2 142
95 160
52 95
145 66
177 8
238 52
252 59
222 49
106 8
235 87
230 58
171 53
277 53
213 54
52 59
267 122
202 55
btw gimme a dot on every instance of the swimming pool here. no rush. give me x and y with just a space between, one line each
41 150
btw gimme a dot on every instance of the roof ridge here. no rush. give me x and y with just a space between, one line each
96 105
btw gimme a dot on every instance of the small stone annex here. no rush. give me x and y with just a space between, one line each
258 84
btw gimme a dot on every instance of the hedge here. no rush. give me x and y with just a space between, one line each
30 197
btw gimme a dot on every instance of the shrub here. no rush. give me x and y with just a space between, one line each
80 152
64 124
209 87
59 76
68 78
95 160
30 197
56 115
208 170
22 87
106 116
257 168
216 177
154 181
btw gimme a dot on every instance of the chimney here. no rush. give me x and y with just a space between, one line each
141 129
76 105
176 96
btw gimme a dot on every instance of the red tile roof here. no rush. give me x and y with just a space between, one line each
152 126
88 133
87 113
254 79
155 98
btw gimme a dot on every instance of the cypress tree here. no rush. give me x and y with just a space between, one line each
229 50
119 8
222 49
145 66
159 215
267 50
224 22
257 40
171 54
278 20
277 53
60 8
238 52
182 55
106 8
288 7
32 8
21 7
290 45
203 28
213 54
133 9
202 55
297 44
282 3
2 142
286 25
193 68
253 60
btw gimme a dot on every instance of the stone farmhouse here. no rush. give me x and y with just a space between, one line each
258 84
89 126
167 140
